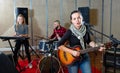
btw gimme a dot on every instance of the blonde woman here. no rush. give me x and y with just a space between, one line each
21 30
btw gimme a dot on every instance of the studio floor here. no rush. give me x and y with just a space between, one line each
96 61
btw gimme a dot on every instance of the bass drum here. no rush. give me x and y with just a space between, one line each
49 64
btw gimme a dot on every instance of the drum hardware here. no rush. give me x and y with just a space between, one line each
49 62
49 55
44 44
55 45
46 66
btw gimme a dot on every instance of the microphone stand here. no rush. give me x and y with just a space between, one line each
115 43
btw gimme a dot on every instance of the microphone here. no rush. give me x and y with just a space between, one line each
87 24
88 28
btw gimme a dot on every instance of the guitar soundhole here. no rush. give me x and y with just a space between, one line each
65 56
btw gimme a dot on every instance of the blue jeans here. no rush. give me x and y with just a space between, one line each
83 65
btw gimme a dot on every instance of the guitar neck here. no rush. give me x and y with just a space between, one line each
89 50
106 45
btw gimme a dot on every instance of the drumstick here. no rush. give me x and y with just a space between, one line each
58 37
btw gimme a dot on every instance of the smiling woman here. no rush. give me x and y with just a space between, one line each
23 11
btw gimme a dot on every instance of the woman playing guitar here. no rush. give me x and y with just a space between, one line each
77 35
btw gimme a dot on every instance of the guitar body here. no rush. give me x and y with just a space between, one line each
66 58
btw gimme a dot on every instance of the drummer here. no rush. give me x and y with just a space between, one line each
58 31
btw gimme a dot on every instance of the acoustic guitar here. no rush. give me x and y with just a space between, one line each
66 58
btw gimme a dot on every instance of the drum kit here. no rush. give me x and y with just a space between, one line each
49 63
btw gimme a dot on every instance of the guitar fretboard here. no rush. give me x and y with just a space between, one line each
89 50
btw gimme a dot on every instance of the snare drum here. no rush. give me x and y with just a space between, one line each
43 45
49 64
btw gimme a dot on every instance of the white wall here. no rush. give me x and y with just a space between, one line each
39 16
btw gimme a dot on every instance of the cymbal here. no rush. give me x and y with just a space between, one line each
41 37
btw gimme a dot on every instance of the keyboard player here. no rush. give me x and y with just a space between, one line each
21 30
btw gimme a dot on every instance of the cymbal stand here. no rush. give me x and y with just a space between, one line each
51 54
34 51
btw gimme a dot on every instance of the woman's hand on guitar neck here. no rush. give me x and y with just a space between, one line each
93 44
